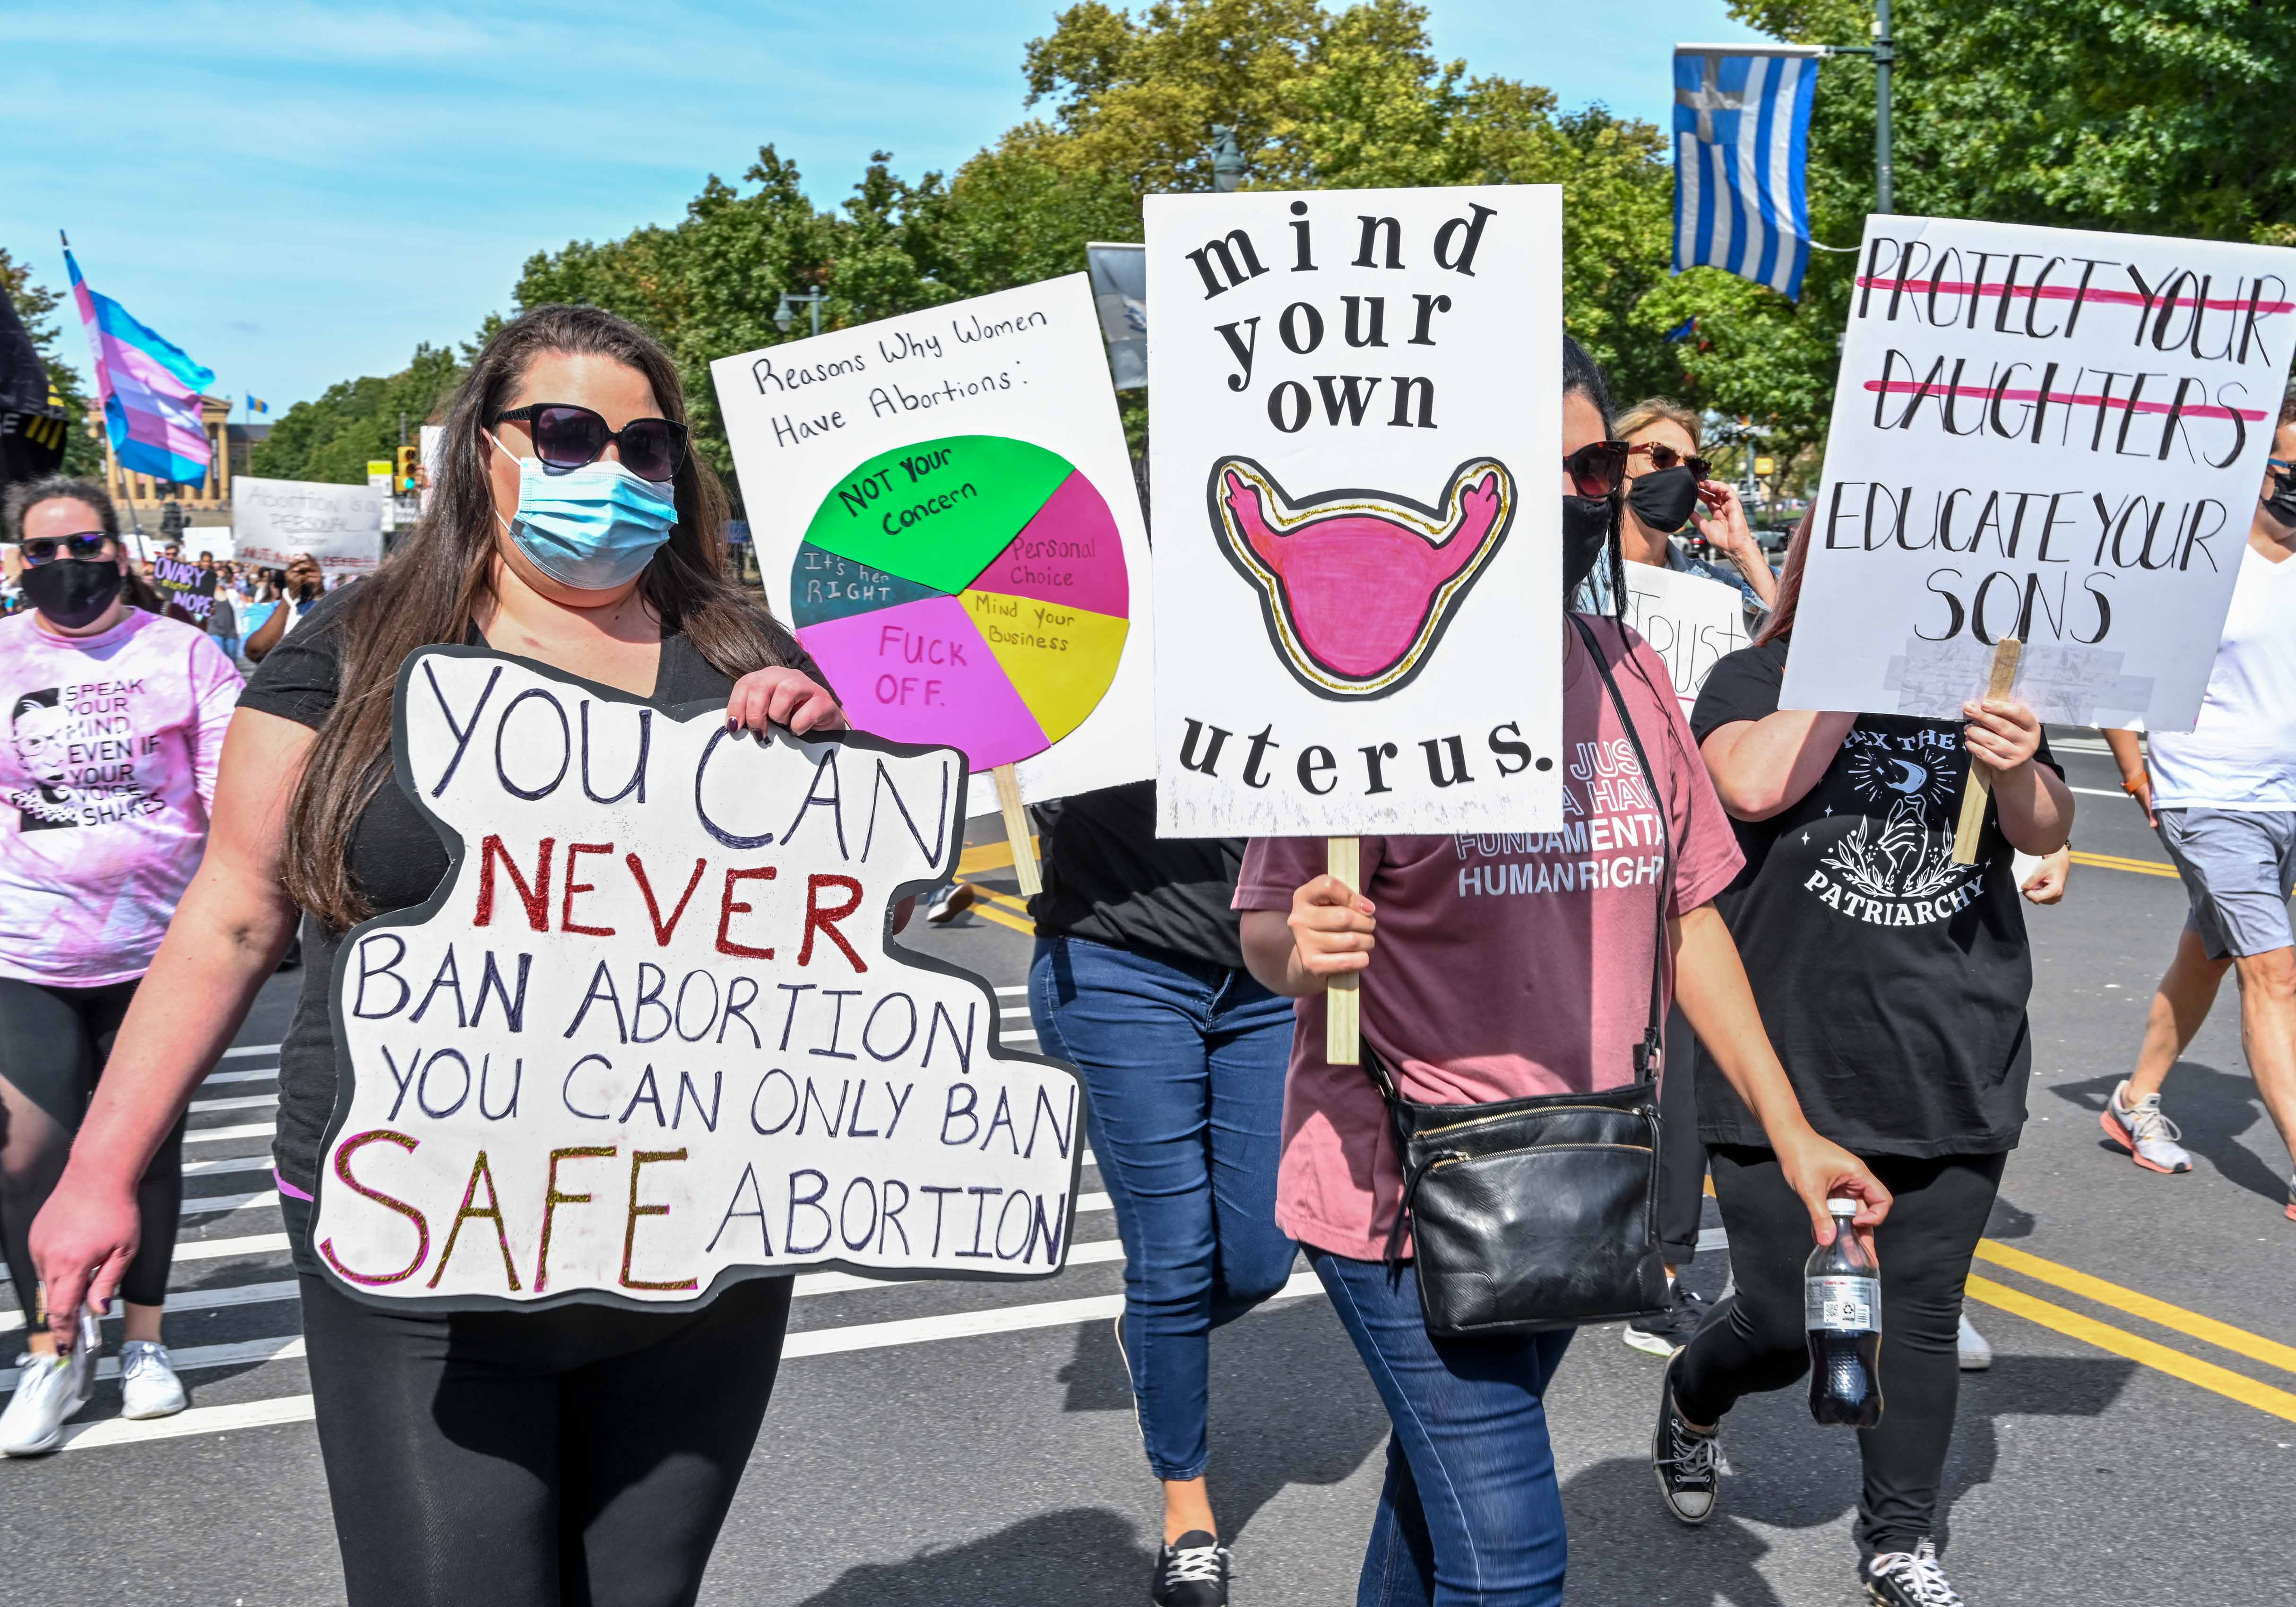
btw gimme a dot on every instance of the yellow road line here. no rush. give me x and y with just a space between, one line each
989 857
1002 900
988 912
2239 1340
2115 861
2104 1336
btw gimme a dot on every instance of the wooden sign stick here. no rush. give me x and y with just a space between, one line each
1342 1023
1017 832
1980 785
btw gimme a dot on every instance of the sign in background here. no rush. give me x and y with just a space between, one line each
341 526
1693 622
1355 400
651 1034
1119 292
2043 433
943 509
186 585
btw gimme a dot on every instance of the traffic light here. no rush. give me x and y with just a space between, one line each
408 458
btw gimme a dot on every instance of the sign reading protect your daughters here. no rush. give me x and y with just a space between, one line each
650 1034
2048 434
1354 399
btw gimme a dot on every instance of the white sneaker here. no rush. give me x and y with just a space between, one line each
950 904
148 1384
2143 1131
1969 1345
50 1389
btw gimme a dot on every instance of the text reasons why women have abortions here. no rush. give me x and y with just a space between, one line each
651 1031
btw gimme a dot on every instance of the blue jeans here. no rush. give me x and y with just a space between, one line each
1184 1064
1469 1512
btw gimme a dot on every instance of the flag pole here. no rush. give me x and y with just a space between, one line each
1885 56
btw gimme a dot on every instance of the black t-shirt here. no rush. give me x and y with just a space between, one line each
1892 982
1110 879
396 856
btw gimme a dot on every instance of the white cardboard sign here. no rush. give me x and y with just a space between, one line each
1354 399
650 1034
944 511
1691 622
341 526
2048 433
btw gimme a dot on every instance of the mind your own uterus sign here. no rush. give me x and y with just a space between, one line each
650 1035
2043 433
1355 404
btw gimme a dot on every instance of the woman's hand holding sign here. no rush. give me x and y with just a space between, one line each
2004 735
785 697
1329 933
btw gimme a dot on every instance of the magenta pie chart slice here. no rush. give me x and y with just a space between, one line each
1070 553
921 672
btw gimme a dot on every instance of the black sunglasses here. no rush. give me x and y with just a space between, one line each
568 437
1663 457
1597 467
85 544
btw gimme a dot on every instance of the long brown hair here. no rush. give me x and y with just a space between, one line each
1782 612
433 588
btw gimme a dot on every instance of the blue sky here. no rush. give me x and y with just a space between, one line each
297 193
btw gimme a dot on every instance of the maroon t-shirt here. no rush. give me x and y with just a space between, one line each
1508 964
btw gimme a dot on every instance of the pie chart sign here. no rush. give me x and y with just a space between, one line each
969 591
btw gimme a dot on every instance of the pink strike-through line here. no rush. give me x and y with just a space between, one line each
2076 400
2061 293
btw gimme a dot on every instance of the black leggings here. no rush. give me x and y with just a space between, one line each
1755 1341
584 1456
53 1042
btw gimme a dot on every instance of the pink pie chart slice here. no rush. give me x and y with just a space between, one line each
921 672
1068 553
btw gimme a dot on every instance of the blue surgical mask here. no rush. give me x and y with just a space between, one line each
593 528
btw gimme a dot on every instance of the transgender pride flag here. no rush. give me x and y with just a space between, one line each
150 386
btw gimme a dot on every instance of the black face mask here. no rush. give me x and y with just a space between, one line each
72 591
1665 498
1585 532
2282 503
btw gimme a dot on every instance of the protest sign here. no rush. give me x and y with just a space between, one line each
341 526
650 1034
1691 622
943 509
1358 574
186 585
2044 434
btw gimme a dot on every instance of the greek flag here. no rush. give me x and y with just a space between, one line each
1741 148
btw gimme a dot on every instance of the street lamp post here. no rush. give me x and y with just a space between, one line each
786 313
1228 165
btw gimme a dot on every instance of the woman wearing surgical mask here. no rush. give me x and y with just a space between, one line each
578 1454
1671 489
114 717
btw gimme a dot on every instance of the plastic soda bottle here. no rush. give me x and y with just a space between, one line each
1842 1298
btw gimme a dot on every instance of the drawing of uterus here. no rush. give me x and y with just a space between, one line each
1356 586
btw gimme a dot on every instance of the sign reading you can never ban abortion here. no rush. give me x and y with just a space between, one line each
944 510
2042 433
1354 405
650 1034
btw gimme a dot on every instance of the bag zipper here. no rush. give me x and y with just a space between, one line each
1460 1126
1534 1148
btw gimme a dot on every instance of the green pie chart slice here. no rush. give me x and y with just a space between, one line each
940 512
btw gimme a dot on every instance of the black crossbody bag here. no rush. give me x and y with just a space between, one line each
1539 1213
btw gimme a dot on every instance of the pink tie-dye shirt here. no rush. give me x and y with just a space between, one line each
105 782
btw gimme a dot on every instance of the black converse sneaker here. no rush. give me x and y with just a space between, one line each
1688 1464
1191 1572
1908 1578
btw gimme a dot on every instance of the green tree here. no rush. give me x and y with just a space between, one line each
38 306
354 422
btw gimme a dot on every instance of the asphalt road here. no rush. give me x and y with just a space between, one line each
934 1445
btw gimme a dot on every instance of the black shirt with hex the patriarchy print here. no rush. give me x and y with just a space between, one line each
1892 982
